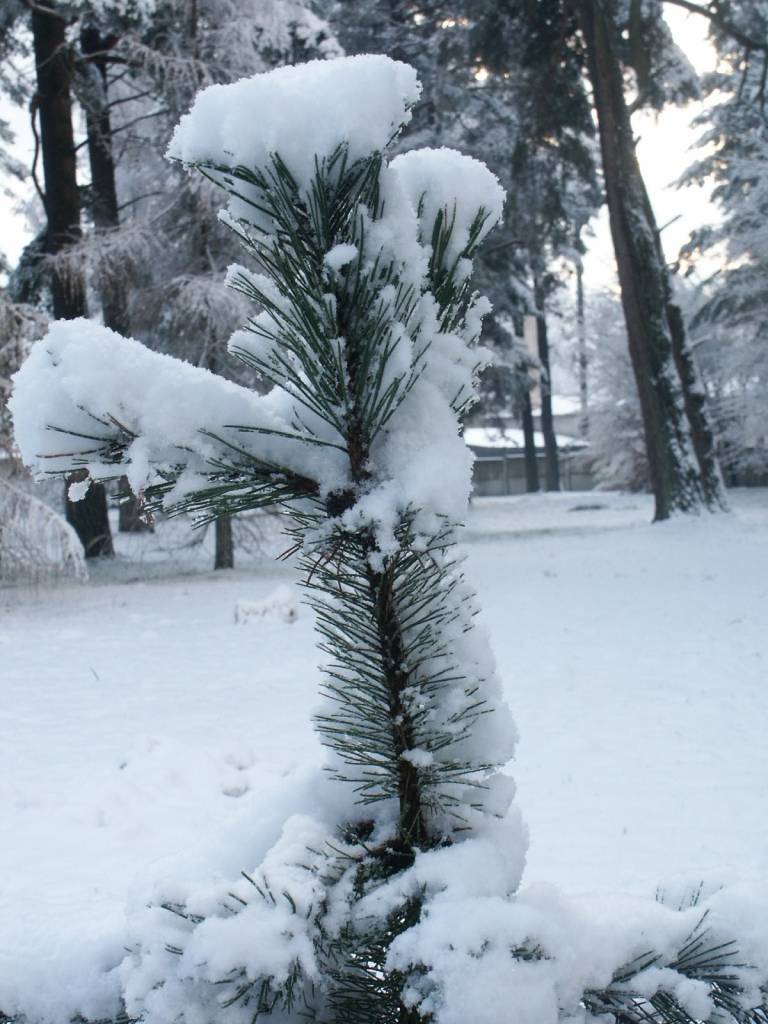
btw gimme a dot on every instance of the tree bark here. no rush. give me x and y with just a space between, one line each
695 399
529 441
62 208
581 343
224 554
675 478
551 458
104 209
225 548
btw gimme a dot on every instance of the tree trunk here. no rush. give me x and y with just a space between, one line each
581 341
62 207
225 548
114 297
103 187
551 458
224 556
695 399
529 440
675 478
90 519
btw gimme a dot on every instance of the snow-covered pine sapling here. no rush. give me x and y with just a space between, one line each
390 895
365 328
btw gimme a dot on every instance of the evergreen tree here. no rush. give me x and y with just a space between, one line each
679 439
729 314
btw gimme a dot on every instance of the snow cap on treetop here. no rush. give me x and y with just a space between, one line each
300 112
444 179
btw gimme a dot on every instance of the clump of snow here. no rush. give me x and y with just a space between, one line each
444 181
303 113
282 605
535 955
340 255
190 964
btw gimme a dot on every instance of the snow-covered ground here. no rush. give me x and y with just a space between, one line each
145 735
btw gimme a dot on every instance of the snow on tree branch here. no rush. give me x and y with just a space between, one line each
88 398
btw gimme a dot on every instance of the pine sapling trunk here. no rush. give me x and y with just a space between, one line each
412 831
412 823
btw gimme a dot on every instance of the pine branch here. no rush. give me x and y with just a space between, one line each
702 958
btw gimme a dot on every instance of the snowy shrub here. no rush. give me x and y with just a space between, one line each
395 897
37 545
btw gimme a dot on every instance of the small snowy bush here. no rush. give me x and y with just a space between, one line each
397 898
37 545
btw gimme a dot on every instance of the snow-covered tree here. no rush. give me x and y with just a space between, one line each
366 335
395 899
730 311
37 544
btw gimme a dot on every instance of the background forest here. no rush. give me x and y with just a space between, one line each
538 92
413 353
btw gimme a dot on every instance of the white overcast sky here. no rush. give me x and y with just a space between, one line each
664 151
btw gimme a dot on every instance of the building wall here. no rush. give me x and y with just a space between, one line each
501 471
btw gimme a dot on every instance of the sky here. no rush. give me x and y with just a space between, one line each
664 150
15 231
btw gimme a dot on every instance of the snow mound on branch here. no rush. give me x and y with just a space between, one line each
189 965
302 112
574 946
169 413
445 180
